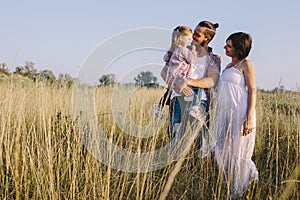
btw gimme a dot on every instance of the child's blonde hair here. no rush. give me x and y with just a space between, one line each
177 32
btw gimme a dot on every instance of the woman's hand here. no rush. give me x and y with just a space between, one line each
247 126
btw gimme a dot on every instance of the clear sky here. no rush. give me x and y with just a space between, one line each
59 35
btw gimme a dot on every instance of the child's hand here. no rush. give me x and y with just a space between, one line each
193 48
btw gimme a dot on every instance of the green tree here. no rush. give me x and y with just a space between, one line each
29 70
280 88
46 76
4 68
19 70
65 79
145 78
108 79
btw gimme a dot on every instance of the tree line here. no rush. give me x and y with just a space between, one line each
29 71
143 79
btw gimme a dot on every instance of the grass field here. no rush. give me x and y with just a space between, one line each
42 155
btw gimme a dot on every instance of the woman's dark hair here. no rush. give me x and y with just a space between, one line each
242 43
210 28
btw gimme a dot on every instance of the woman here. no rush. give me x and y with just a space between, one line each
235 119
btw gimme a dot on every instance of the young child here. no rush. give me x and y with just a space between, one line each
181 60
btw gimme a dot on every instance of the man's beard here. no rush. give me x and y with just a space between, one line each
196 43
198 46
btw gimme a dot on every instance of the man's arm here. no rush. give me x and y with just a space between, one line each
207 82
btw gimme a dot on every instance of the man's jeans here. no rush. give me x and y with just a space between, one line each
179 118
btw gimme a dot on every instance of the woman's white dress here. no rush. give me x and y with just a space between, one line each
233 151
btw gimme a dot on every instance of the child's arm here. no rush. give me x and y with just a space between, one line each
189 56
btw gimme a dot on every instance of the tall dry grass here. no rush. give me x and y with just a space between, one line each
42 155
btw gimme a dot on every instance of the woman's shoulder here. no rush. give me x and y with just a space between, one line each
247 65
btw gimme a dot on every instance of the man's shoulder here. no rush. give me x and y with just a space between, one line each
214 62
210 52
216 56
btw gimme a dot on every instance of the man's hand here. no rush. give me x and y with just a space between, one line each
186 90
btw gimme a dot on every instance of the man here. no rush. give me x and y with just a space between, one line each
207 69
